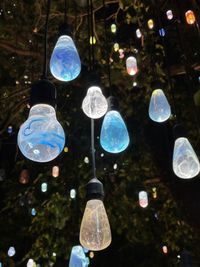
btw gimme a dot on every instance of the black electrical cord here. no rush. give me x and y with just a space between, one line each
93 149
65 12
88 22
92 32
44 75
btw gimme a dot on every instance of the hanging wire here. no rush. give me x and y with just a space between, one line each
65 12
93 149
44 75
92 32
88 22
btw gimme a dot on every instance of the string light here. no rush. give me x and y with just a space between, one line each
73 193
11 251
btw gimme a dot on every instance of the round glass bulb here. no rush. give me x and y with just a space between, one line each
185 162
143 199
95 233
94 104
65 64
131 66
159 108
41 137
114 136
11 251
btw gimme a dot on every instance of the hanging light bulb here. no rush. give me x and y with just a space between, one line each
143 199
31 263
44 187
190 17
185 161
113 28
165 249
93 40
131 65
72 193
162 32
150 24
159 108
65 64
95 233
24 176
169 14
55 171
138 33
94 104
116 47
78 258
11 251
41 138
114 137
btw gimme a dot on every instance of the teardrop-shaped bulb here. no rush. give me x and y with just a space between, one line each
185 162
78 258
94 104
131 65
65 64
114 136
41 137
95 233
159 108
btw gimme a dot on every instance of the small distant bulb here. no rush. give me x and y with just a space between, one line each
138 33
131 66
150 24
92 40
72 193
154 192
91 254
55 171
116 47
66 149
190 17
169 14
165 249
143 199
162 32
54 254
9 129
11 251
33 212
113 28
115 166
86 160
30 263
134 84
44 187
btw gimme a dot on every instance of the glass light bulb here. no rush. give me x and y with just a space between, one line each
138 33
11 251
159 108
78 258
65 64
143 199
113 28
190 17
44 187
131 65
116 47
73 193
31 263
185 162
94 104
114 136
150 24
169 14
162 32
95 233
41 138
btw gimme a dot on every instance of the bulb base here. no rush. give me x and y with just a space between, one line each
94 79
43 92
113 103
64 29
94 190
179 131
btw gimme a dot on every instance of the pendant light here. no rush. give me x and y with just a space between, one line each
159 108
114 137
41 137
131 65
78 258
65 64
185 161
95 233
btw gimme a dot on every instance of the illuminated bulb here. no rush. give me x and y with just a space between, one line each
116 47
169 14
66 149
131 65
154 192
121 53
159 108
165 249
0 262
33 212
55 171
91 254
65 64
31 263
113 28
190 17
150 24
162 32
86 160
185 162
78 258
95 233
44 187
138 33
93 40
94 104
41 138
9 129
72 193
114 136
11 251
24 176
143 199
134 84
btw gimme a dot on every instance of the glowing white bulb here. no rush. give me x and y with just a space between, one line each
169 14
138 33
11 251
94 104
31 263
159 108
41 137
44 187
131 65
143 199
185 162
73 193
95 233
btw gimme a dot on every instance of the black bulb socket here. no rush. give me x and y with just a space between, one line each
64 29
94 190
156 85
179 131
113 103
93 78
43 92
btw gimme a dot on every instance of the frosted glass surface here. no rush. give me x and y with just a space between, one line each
114 136
65 64
78 258
41 138
143 199
185 162
94 104
131 66
95 231
159 108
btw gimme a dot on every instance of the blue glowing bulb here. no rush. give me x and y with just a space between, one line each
78 258
159 108
65 64
33 212
41 138
114 136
